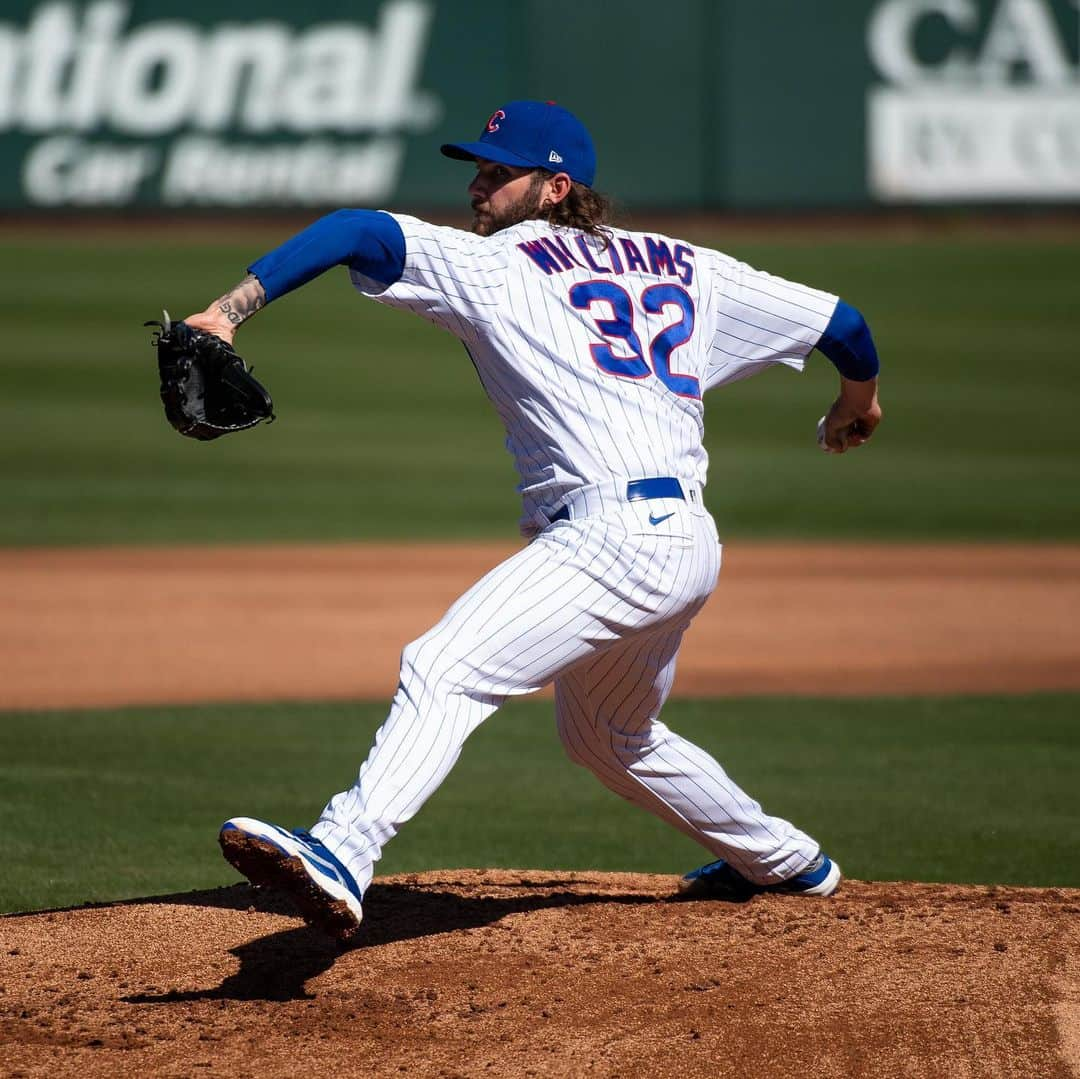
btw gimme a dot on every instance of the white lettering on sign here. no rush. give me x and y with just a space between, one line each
890 37
66 170
1022 37
167 53
77 73
994 115
201 170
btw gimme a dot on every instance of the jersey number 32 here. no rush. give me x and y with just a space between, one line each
604 298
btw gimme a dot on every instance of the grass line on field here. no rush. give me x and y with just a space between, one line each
100 805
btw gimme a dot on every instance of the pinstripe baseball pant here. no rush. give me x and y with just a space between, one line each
598 605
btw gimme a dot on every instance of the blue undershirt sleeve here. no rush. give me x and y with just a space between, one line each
848 344
368 241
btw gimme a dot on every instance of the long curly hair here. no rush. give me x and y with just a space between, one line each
583 208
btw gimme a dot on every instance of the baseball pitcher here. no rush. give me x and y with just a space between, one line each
596 346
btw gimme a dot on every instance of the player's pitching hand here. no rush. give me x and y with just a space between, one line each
852 419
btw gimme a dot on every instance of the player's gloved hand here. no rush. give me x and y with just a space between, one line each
853 417
206 388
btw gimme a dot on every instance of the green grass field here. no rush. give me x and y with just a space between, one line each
103 805
384 431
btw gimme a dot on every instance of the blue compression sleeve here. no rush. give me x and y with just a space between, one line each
848 344
368 241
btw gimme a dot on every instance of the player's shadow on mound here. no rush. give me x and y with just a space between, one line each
277 967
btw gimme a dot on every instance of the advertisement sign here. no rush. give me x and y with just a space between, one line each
110 111
978 101
181 104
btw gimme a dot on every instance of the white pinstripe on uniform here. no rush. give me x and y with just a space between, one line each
596 603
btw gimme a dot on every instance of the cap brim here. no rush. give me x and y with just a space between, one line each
470 151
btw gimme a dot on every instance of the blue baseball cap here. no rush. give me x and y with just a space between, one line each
533 134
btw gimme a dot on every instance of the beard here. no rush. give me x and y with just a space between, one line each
486 222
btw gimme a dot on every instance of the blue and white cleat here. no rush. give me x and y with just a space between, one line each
718 880
300 866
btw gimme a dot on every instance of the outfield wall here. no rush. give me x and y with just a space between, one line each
695 104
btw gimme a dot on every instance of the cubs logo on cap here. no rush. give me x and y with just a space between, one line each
533 134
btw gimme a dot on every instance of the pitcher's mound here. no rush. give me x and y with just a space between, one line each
506 973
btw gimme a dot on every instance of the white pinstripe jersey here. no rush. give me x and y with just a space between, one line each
596 358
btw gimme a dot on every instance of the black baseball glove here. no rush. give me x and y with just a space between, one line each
206 388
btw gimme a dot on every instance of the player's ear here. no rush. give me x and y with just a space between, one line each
558 187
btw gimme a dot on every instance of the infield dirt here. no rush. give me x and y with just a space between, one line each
507 973
116 626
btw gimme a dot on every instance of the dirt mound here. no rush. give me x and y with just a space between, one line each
508 974
126 625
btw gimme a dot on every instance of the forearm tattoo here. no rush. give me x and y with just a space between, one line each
243 301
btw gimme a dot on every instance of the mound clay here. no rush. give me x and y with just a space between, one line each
505 973
502 973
